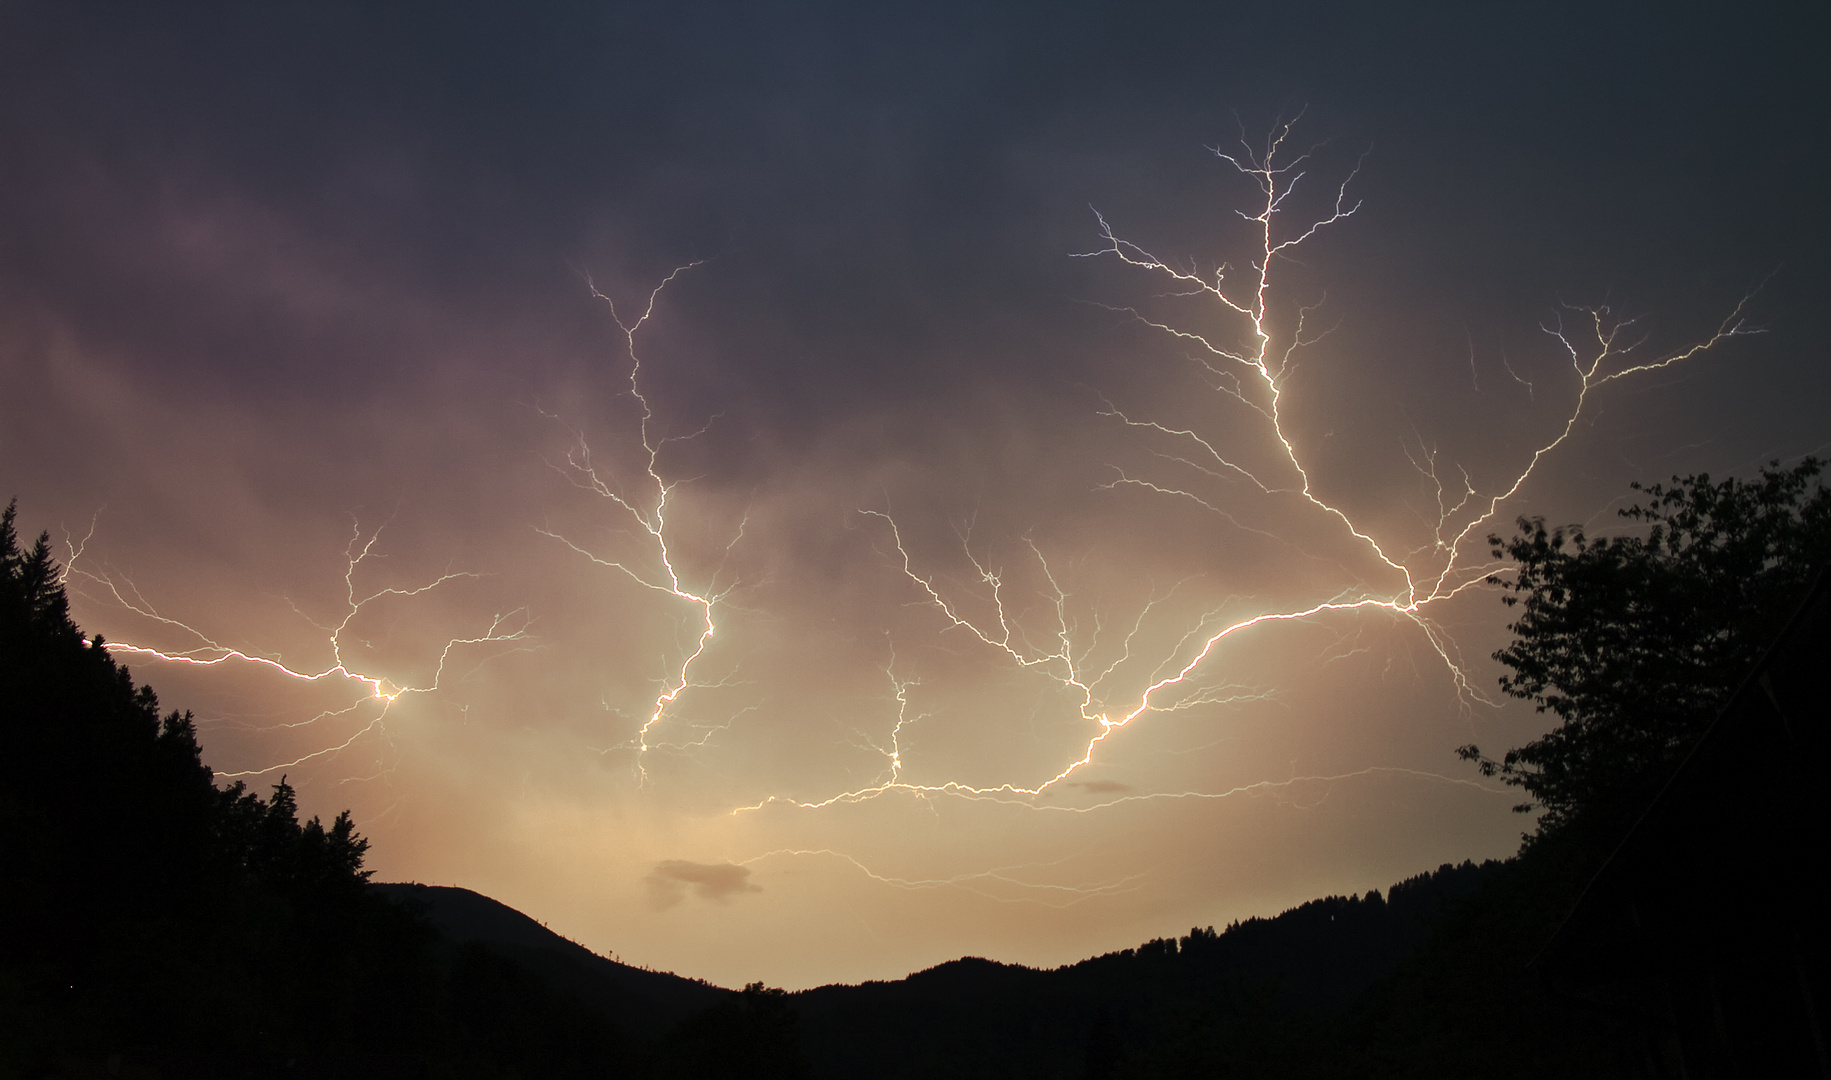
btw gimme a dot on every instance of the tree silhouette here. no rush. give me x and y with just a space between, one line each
145 907
1635 642
150 916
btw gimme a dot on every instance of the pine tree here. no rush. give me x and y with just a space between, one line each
146 907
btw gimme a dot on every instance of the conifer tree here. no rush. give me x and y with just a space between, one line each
146 907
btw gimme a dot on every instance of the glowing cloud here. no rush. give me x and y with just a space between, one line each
670 881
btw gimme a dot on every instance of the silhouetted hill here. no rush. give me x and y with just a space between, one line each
147 911
1169 1007
640 1000
153 924
156 925
1165 1008
1151 1010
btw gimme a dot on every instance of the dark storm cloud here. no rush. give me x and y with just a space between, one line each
670 881
882 189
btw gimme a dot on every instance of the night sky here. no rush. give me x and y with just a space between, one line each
315 350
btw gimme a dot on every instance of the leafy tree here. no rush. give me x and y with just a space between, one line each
1635 642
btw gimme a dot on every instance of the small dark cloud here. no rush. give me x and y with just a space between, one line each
1098 787
669 881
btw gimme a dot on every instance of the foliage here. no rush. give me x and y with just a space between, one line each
753 1035
145 907
1635 642
153 918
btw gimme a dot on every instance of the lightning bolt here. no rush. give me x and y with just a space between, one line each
1000 884
1105 675
1252 369
649 510
377 693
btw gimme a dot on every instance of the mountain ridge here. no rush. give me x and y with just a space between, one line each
638 997
975 1016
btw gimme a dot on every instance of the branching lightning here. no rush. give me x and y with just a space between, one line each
1100 673
378 692
1253 370
649 510
1000 884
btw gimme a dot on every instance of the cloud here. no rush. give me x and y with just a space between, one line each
1099 787
669 881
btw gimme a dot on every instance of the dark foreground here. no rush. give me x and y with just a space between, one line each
154 925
